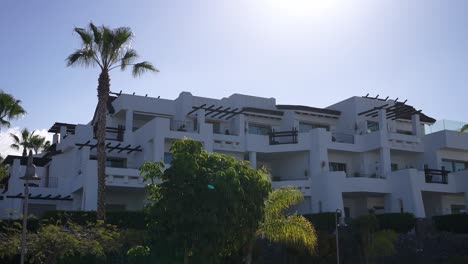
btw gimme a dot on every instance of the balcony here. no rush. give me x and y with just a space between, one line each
436 176
342 138
363 175
123 177
183 126
113 133
283 137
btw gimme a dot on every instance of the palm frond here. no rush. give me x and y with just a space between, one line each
294 231
10 108
106 46
97 34
15 146
85 36
81 57
142 67
15 138
282 199
128 58
464 128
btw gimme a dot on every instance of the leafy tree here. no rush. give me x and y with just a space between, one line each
464 128
294 230
203 207
23 141
108 49
10 109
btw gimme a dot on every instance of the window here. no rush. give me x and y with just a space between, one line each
394 166
336 166
372 126
454 165
167 157
259 129
306 127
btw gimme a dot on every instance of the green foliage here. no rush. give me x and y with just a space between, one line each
33 224
464 128
52 243
455 223
121 219
206 205
3 170
382 244
398 222
10 109
139 254
294 230
322 221
373 243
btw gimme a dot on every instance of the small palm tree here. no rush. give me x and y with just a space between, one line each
108 49
10 109
39 143
22 141
293 230
464 128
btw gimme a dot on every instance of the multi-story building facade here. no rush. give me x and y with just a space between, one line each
357 155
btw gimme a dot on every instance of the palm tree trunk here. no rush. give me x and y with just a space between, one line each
103 95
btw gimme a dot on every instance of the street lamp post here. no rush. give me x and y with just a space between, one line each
338 220
30 175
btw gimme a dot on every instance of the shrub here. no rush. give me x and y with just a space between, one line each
398 222
324 222
455 223
33 224
121 219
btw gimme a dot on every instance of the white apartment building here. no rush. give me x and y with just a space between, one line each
359 155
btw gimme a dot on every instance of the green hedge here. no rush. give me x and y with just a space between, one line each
33 224
398 222
322 221
455 223
122 219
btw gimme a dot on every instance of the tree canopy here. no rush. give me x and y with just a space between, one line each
205 205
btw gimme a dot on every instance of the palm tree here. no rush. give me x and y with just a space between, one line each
108 49
23 141
464 128
39 143
10 108
291 230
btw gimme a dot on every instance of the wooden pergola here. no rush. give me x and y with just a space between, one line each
111 147
219 112
40 197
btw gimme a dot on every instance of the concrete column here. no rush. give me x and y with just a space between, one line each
89 173
55 139
241 125
63 132
253 159
383 126
318 154
200 118
128 125
158 148
385 161
415 121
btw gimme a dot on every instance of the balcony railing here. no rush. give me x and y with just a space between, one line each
183 126
342 138
436 176
113 133
363 175
283 137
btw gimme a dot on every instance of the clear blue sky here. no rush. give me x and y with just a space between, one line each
311 52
